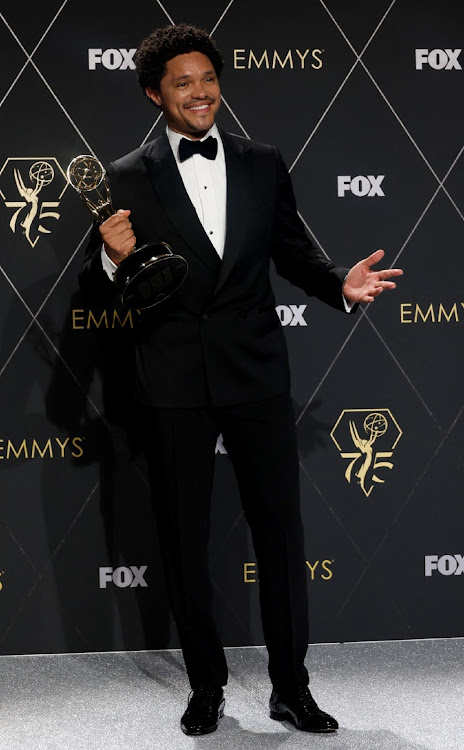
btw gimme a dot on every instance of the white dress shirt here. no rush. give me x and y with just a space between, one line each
206 186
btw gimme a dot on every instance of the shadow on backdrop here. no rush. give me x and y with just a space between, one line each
91 386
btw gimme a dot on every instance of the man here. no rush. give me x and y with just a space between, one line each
213 359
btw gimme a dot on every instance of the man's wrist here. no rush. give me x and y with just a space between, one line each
346 302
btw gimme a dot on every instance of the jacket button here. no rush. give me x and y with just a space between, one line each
205 316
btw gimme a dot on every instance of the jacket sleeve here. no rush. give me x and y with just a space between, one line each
295 254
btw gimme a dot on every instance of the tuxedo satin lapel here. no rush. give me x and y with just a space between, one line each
237 155
169 187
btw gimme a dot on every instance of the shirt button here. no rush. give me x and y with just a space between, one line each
205 316
211 232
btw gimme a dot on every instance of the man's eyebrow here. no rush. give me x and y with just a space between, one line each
188 75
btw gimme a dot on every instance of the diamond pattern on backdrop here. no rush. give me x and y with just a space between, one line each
353 105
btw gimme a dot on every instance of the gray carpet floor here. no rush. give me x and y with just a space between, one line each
406 695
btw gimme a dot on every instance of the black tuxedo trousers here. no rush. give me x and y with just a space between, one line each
261 442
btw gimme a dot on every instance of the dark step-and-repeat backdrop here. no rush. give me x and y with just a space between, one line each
365 101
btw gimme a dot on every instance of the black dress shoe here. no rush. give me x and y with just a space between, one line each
205 708
300 708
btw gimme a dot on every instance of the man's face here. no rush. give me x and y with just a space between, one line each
189 94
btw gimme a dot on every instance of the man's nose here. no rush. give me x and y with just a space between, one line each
199 91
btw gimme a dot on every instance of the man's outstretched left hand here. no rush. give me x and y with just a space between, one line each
362 284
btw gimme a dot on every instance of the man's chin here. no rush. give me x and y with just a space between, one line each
202 126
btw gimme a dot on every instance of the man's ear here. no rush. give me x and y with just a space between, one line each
154 95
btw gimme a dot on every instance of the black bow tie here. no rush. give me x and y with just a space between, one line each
207 148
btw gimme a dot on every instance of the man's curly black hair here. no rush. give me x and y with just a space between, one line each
168 42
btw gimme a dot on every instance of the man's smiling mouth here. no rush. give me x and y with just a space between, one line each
199 107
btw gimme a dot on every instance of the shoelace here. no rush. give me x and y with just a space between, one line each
307 701
202 698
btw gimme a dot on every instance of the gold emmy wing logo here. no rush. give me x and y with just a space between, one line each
374 434
32 187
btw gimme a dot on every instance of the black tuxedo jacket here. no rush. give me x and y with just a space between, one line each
218 341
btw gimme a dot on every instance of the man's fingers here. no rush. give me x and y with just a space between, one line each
388 285
118 236
115 230
117 227
366 284
374 257
387 273
120 217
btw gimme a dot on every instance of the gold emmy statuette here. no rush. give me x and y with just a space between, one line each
149 274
